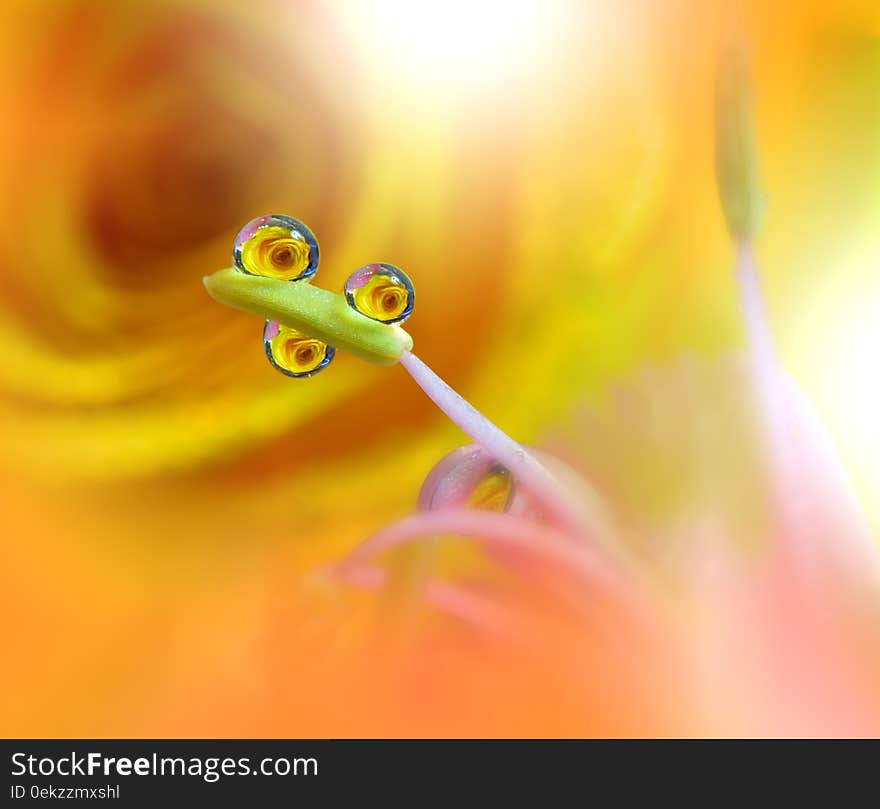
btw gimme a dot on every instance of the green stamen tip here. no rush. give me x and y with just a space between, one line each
316 312
736 156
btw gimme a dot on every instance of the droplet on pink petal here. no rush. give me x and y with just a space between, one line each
467 477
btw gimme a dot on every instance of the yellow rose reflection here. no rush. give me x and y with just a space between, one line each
294 353
381 292
277 247
492 492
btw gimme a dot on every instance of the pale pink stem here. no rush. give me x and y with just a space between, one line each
501 532
528 473
763 363
454 601
770 402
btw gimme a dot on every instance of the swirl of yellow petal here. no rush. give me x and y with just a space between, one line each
138 147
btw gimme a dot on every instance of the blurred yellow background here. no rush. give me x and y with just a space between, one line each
543 171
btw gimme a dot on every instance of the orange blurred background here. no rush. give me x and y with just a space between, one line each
543 171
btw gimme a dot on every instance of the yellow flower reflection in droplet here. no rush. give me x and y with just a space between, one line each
293 352
493 491
275 252
382 298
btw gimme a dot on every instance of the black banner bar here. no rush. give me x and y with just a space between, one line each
322 772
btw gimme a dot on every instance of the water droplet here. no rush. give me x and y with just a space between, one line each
381 292
276 246
294 353
467 477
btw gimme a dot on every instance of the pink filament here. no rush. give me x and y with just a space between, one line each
527 472
502 532
449 598
766 379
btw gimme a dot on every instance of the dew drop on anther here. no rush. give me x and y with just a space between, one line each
276 246
382 292
294 353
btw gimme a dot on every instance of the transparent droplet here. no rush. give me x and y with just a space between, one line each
294 353
276 246
381 292
467 477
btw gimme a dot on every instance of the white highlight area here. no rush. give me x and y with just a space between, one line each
842 362
853 376
467 38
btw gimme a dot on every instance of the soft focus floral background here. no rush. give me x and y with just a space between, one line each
544 173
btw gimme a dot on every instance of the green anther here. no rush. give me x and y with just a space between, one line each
736 156
316 312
